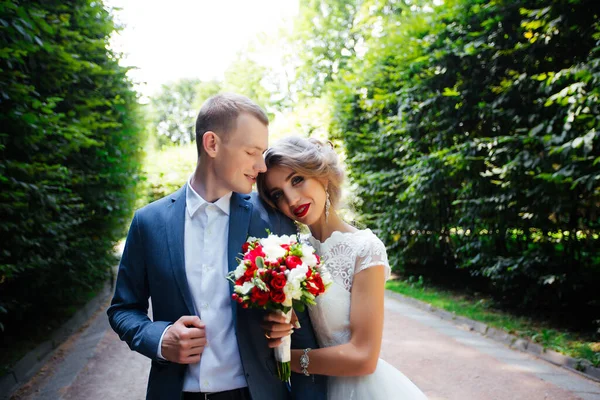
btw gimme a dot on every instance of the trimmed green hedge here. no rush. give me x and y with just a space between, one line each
473 135
166 171
69 147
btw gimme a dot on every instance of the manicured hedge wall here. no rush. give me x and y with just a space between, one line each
69 145
472 133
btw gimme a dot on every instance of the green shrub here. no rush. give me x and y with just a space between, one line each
472 133
166 170
69 147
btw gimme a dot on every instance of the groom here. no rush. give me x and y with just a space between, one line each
202 344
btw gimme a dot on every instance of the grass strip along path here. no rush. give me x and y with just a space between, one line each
481 309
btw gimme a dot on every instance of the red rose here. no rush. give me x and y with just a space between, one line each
312 288
249 273
315 285
259 297
245 247
286 247
243 279
278 282
317 280
277 296
292 261
265 275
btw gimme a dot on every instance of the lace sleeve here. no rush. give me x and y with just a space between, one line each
371 254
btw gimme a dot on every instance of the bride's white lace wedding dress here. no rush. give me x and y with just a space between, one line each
345 254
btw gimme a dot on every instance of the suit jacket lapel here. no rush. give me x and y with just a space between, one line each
175 226
239 223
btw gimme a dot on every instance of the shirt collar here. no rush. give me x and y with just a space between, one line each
193 201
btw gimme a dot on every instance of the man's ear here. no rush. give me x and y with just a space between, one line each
210 143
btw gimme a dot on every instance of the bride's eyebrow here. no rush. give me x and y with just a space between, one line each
286 179
290 176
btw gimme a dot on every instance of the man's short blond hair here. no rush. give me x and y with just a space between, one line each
219 114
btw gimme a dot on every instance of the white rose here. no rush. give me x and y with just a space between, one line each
239 271
271 240
287 302
308 255
292 291
273 252
298 274
289 239
245 288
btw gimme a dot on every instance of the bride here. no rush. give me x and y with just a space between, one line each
303 180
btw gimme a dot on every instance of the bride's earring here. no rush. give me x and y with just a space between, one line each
327 205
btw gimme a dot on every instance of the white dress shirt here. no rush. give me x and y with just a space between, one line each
205 246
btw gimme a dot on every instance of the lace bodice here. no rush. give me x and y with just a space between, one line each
344 254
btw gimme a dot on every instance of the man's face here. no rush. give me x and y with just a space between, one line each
240 156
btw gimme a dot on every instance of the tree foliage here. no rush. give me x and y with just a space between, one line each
173 110
472 133
69 153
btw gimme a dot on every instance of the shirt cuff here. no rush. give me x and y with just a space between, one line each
159 352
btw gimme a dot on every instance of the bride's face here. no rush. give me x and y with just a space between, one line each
300 198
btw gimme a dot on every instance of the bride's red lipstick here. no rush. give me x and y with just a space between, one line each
302 210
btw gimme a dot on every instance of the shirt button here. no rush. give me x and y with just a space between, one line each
204 306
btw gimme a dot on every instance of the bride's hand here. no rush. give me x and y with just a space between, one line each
276 328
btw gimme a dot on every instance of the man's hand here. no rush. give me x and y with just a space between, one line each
184 341
276 328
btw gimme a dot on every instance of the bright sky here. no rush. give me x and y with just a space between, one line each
169 40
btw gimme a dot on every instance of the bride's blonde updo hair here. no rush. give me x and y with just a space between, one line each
311 158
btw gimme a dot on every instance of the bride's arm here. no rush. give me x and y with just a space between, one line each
360 355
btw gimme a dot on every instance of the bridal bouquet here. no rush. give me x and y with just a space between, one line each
278 273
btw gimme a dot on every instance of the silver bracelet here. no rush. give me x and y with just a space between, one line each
304 361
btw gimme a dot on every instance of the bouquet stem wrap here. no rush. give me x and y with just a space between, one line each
283 353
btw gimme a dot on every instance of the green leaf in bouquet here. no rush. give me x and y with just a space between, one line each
260 262
260 284
298 306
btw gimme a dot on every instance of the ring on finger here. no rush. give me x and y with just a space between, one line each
267 335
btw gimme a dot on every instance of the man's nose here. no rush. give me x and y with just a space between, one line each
261 167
